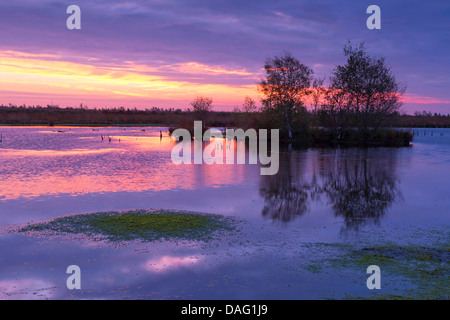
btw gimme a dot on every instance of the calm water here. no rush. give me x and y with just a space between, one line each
318 196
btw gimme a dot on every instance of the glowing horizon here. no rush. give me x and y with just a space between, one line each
45 75
151 53
128 84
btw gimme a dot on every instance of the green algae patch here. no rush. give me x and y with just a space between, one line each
146 225
407 272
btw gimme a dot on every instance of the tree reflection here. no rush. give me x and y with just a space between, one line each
284 193
359 185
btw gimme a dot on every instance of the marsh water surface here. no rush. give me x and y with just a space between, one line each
291 225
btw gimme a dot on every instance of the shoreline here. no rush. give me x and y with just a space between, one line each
83 125
78 125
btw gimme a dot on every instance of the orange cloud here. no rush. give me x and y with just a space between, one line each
198 68
50 75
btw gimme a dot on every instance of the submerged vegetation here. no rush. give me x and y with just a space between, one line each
427 268
407 272
143 225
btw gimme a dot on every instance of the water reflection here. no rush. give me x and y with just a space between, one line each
38 167
26 289
361 189
285 194
358 185
37 163
167 263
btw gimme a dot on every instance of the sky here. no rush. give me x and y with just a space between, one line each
164 53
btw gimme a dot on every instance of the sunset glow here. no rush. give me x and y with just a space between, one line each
49 75
142 54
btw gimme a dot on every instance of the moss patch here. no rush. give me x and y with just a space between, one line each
145 225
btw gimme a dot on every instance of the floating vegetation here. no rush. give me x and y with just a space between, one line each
145 225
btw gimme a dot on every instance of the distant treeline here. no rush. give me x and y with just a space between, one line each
421 120
56 116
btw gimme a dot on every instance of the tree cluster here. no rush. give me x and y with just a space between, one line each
362 94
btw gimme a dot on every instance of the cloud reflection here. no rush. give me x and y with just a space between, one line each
81 163
26 289
168 263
